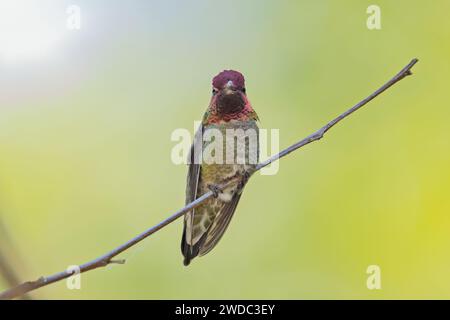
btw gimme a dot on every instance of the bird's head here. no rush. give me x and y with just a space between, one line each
228 92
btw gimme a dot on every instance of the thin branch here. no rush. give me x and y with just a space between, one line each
107 259
7 271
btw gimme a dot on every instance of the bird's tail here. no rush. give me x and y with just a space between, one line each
190 251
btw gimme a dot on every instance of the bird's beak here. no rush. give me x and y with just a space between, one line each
229 87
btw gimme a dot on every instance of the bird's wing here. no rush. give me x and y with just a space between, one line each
191 192
219 225
193 176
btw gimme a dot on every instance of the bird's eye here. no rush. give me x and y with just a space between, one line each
243 90
214 91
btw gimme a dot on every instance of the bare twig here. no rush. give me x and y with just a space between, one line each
108 257
7 272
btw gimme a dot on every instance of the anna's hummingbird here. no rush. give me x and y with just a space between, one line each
229 115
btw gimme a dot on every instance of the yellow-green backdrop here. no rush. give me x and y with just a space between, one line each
85 148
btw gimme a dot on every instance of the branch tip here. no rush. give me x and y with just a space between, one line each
120 261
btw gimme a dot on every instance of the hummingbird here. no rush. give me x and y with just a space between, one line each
229 110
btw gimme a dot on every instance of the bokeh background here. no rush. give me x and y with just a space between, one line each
85 123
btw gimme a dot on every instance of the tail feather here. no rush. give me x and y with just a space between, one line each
190 252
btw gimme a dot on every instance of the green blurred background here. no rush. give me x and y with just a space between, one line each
85 147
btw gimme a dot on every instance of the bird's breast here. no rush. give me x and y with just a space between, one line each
229 150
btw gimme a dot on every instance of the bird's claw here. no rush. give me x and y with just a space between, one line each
215 189
244 179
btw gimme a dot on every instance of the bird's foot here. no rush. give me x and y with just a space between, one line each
215 189
244 178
